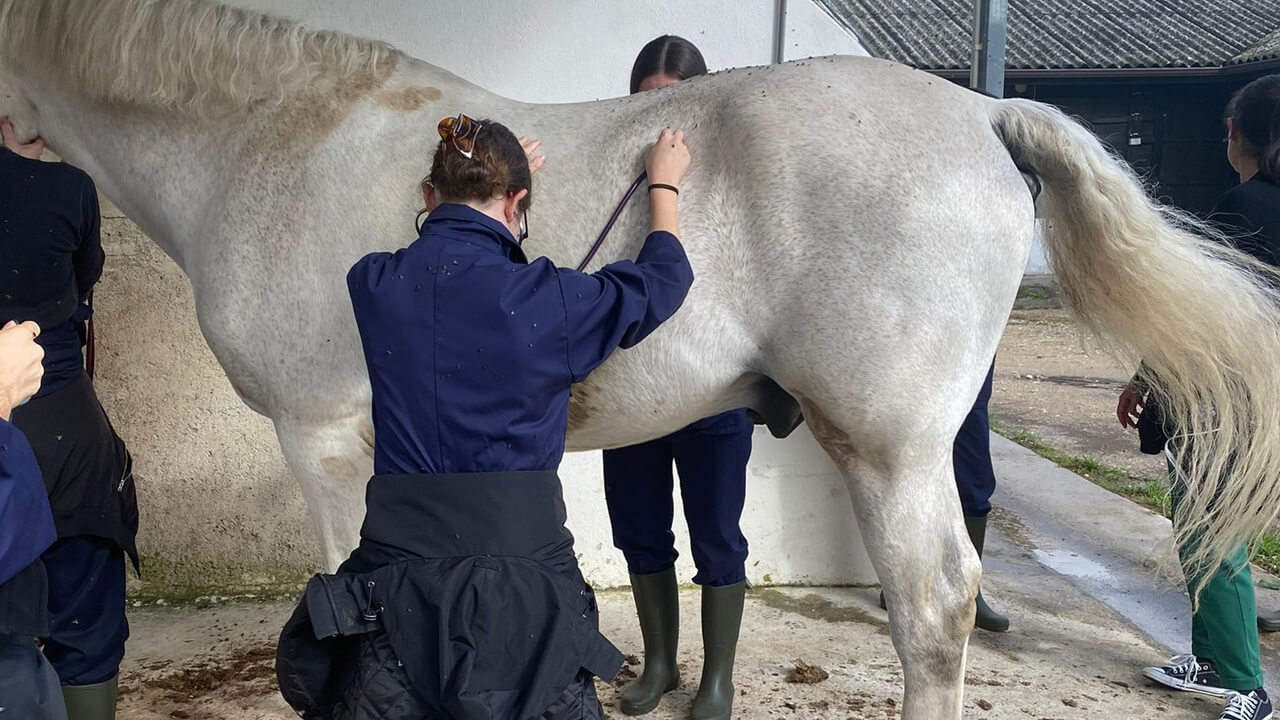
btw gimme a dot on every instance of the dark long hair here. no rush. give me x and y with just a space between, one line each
669 55
497 165
1255 110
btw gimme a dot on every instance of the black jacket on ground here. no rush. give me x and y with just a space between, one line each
463 602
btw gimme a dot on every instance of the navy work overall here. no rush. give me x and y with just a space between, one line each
464 600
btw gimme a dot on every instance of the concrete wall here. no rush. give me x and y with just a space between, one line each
1038 261
570 50
219 509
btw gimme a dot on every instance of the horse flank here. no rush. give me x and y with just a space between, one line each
190 56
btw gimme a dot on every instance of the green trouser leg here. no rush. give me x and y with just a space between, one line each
1224 629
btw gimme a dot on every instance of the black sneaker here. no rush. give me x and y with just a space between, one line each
1253 706
1185 672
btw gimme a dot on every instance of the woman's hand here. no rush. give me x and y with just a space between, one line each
668 159
666 163
530 147
32 150
1127 411
20 365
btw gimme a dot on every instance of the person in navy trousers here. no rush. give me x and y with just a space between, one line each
976 482
711 457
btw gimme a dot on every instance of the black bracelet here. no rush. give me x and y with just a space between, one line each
664 186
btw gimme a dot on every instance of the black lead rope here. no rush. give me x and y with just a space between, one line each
595 247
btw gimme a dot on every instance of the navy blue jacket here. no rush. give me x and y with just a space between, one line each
26 523
471 349
51 256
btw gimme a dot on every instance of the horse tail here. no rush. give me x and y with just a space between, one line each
1158 286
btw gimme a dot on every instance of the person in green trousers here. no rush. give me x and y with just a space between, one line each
1225 660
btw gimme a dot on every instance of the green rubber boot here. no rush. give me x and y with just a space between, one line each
658 605
721 620
987 619
91 702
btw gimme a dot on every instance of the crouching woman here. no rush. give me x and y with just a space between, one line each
464 599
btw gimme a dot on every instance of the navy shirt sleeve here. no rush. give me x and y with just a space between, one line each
26 522
368 272
622 303
88 257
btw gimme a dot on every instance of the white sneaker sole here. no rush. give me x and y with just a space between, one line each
1153 673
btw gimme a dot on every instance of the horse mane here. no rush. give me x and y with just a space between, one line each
193 56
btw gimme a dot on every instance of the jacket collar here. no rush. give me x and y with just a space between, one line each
482 230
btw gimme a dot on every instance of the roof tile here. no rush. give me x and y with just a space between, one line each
1058 34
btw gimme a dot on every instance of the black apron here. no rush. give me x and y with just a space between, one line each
463 602
86 467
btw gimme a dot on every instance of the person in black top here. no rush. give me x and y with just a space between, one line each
1225 659
51 257
1250 211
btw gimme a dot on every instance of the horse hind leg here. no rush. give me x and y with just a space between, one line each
332 461
910 518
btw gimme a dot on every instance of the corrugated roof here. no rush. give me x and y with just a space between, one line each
1265 49
1060 34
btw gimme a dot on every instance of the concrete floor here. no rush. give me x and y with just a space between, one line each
1069 657
1072 564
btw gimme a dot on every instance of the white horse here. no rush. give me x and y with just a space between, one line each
858 230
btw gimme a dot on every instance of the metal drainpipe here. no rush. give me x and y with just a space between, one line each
780 33
990 25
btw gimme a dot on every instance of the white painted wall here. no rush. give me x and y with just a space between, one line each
570 50
1038 261
798 518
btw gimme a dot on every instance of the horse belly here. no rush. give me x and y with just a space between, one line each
676 376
